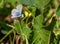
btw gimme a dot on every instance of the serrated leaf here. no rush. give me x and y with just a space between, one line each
38 21
39 32
38 41
22 29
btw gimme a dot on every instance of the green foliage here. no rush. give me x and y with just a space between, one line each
12 1
37 3
0 0
58 13
40 24
4 27
1 3
22 29
41 36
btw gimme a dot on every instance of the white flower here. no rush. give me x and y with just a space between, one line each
17 12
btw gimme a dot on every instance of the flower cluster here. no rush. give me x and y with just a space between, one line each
17 12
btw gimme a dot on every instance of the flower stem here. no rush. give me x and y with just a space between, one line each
6 35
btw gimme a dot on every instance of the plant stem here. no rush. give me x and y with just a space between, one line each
6 35
10 39
17 40
14 35
27 41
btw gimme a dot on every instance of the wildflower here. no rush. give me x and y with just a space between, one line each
28 14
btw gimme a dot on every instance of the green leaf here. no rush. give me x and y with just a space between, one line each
1 3
58 13
40 34
38 21
4 27
27 2
4 31
22 29
38 41
37 3
15 2
0 0
12 1
41 3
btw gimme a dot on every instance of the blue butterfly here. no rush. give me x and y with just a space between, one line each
17 12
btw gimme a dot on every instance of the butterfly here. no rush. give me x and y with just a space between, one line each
17 12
